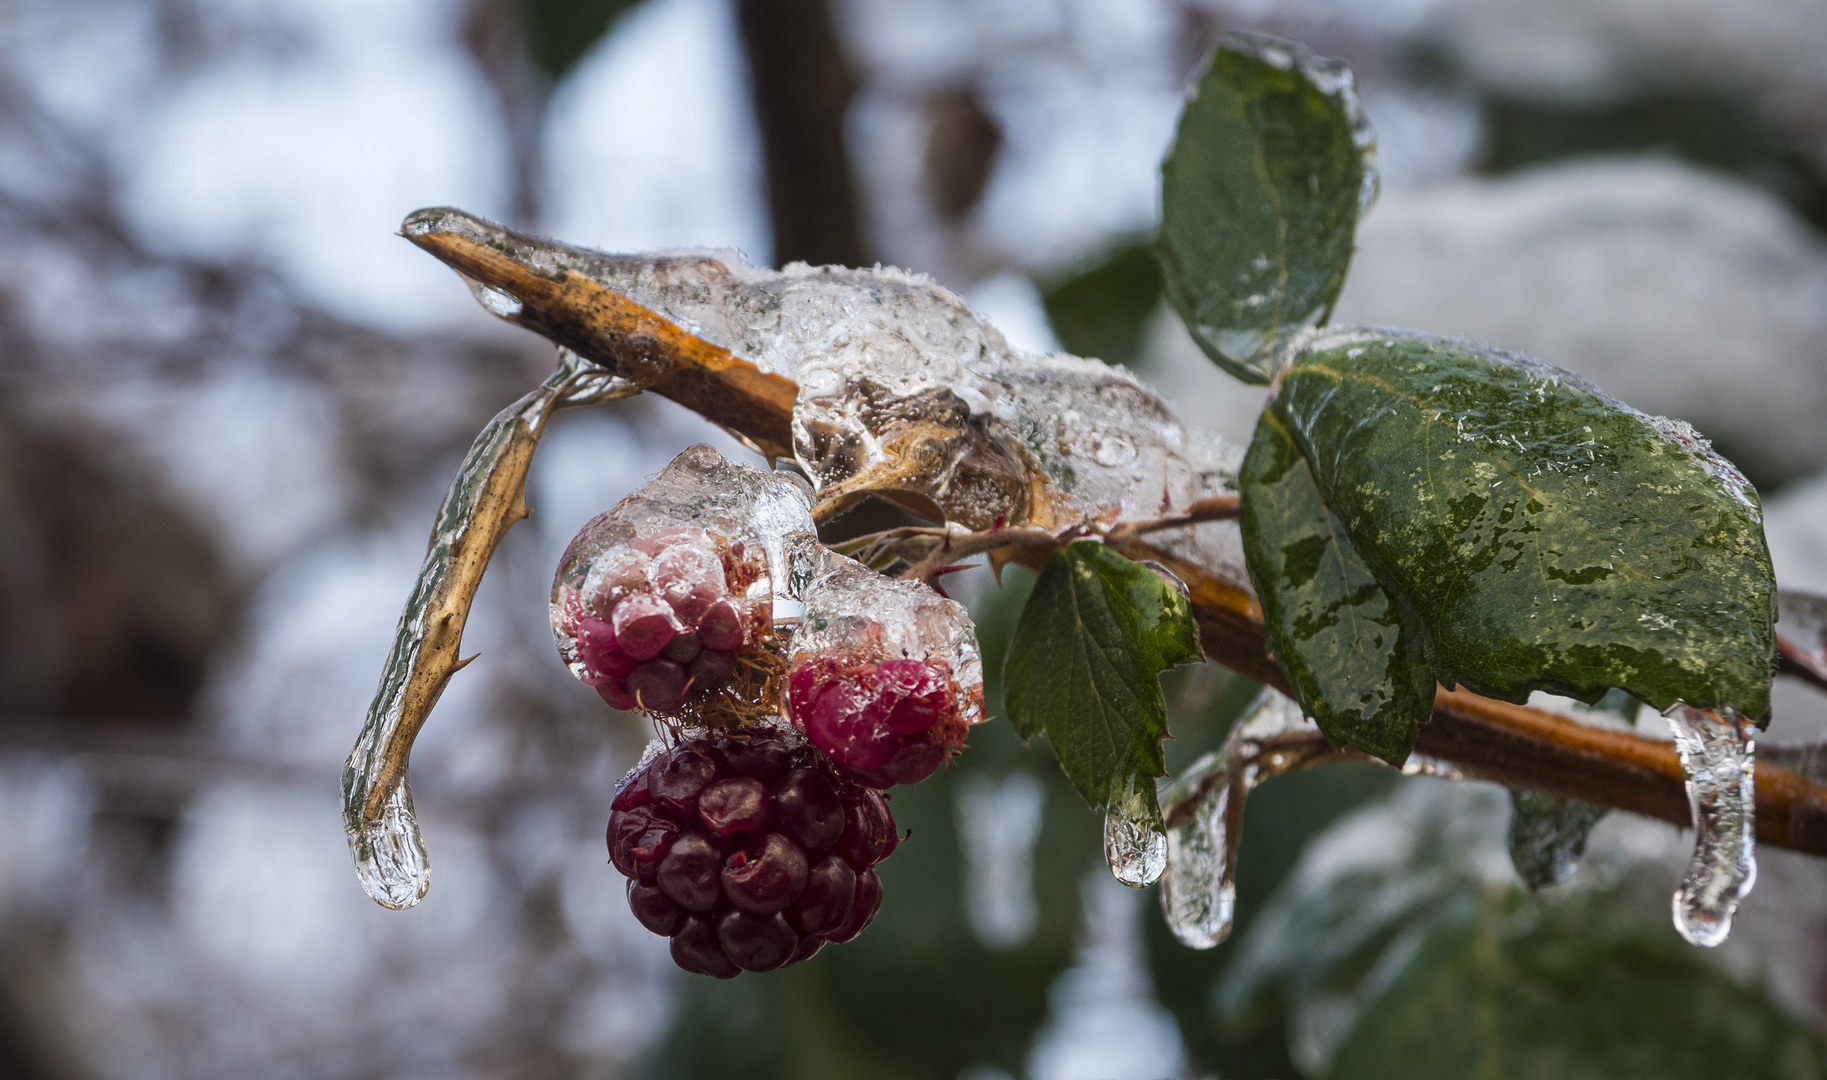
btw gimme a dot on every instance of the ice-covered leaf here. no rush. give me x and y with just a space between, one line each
1260 198
1541 534
1084 669
1335 632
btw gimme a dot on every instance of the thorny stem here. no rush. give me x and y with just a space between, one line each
484 501
1492 740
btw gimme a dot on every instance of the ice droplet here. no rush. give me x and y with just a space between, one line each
1199 889
1135 841
1548 836
390 857
1717 757
500 304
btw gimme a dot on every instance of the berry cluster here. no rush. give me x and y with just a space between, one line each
746 855
668 618
884 723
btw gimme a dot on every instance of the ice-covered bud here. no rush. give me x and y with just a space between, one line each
654 599
884 675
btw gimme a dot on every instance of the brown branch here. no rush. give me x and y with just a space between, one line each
1511 744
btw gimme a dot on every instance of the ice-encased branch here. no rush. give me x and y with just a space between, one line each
483 502
664 323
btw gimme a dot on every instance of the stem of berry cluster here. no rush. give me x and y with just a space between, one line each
1487 739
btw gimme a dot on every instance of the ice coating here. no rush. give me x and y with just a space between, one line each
390 856
1717 758
866 616
704 530
1330 76
1204 817
1199 887
902 387
1135 840
1801 631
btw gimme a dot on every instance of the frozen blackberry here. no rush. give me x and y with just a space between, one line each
748 851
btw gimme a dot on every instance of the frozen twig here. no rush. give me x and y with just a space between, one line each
555 294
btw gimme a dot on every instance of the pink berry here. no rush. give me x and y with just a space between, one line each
886 723
688 577
643 624
615 695
597 649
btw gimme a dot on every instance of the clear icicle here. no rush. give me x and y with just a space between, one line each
1135 841
1199 889
390 857
1717 757
1205 816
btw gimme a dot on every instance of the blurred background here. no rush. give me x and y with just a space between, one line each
231 398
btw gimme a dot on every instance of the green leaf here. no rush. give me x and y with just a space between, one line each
1574 994
560 33
1085 665
1102 309
1260 198
1544 535
1335 632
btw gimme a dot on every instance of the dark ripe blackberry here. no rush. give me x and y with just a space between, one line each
683 648
747 854
720 627
711 668
825 902
696 949
688 875
736 805
862 910
638 840
756 942
868 828
675 779
809 810
765 878
653 910
658 685
808 948
764 759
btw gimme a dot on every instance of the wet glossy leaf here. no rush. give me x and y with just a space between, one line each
1544 536
1335 632
1085 665
1574 996
1260 197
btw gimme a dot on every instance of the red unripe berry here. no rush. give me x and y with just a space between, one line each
643 625
766 877
597 649
615 695
736 805
886 723
921 695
